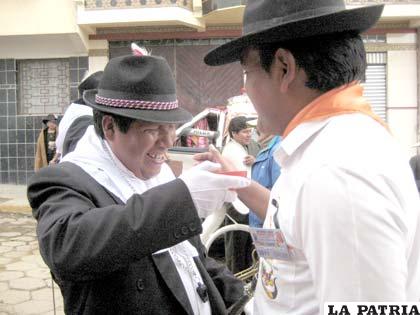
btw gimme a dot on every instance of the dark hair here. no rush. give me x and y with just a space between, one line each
329 61
237 124
122 123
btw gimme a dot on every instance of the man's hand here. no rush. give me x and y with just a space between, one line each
254 196
249 160
213 155
210 190
55 159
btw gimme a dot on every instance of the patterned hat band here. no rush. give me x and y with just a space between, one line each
135 104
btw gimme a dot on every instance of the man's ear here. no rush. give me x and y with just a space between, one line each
284 67
108 126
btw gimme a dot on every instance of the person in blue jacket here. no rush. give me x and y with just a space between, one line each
265 171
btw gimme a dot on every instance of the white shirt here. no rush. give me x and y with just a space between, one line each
349 208
73 112
236 153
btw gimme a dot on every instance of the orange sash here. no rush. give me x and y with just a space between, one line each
342 100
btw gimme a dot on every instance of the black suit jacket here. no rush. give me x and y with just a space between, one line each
76 131
100 250
415 166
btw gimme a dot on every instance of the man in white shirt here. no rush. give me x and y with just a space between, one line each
342 222
242 150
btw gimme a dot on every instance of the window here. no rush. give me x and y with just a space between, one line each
43 86
375 83
374 38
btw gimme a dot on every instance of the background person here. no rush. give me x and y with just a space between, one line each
265 169
45 145
119 233
242 150
346 202
77 118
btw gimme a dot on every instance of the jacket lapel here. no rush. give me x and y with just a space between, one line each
216 301
164 263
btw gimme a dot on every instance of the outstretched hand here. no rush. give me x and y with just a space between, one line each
213 155
210 190
253 195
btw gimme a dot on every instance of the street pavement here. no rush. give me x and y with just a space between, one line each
25 281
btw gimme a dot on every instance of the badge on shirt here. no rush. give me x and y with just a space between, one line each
270 243
268 279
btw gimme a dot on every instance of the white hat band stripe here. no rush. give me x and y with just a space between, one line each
136 104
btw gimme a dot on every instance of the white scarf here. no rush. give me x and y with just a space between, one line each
96 158
108 171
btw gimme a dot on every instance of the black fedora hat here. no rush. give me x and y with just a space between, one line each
139 87
91 81
50 117
267 21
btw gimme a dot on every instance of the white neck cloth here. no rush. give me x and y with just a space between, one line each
108 171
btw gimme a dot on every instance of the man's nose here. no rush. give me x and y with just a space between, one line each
167 139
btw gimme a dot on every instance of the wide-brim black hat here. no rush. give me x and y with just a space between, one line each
138 87
90 82
269 21
50 117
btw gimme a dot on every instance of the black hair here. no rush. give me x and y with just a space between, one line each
122 123
329 61
237 124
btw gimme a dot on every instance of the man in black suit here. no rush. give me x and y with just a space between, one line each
77 118
119 232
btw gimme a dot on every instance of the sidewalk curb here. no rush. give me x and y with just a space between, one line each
13 199
4 207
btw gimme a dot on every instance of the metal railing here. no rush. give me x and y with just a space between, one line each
207 5
136 4
213 5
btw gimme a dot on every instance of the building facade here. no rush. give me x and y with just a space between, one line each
47 46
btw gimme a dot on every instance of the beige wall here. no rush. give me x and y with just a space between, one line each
41 46
97 63
29 17
98 55
402 91
148 16
33 29
403 126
